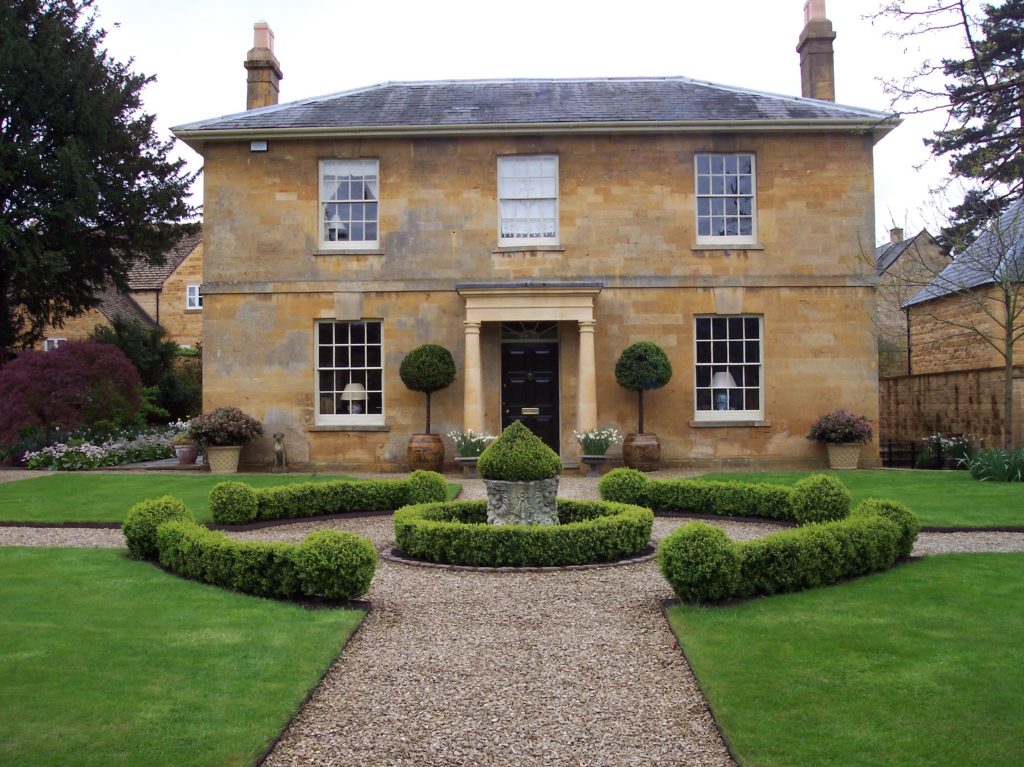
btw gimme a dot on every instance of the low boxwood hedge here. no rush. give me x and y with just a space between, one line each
142 520
234 503
703 564
457 533
816 498
328 563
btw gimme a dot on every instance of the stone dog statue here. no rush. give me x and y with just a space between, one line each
280 457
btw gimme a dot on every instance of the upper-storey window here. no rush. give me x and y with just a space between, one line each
528 200
726 202
348 203
193 296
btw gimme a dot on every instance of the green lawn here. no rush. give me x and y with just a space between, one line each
109 661
939 498
90 497
920 665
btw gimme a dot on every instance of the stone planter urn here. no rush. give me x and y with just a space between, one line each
223 460
522 503
588 463
641 451
468 464
425 451
843 455
187 453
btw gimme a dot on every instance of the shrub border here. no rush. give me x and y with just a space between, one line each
446 542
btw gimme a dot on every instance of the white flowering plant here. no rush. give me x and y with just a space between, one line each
597 441
468 443
77 454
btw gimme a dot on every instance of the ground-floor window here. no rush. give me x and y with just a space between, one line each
52 343
729 368
349 373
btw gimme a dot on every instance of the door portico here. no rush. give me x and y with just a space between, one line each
530 302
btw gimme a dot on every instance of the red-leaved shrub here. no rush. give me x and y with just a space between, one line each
78 384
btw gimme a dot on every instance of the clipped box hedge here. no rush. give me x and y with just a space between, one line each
327 563
457 533
702 564
817 498
235 503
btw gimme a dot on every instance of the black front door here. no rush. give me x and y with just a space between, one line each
529 388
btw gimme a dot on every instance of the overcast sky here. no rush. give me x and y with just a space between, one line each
195 48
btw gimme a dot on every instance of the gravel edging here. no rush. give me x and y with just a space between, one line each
395 555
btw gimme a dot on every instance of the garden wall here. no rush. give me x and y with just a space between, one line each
958 402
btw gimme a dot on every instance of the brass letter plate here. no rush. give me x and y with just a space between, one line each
530 411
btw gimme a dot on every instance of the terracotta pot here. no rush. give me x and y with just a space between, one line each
223 460
187 453
843 455
425 451
641 451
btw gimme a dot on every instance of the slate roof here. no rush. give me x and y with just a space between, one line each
886 255
143 275
569 104
114 304
997 255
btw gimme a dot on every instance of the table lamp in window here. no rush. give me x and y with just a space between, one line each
355 395
721 383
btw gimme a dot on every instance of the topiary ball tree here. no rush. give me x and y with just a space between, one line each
640 367
518 455
427 368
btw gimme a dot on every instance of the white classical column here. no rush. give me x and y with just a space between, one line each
586 384
473 403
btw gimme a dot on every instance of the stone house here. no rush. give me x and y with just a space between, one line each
957 376
904 266
169 296
536 228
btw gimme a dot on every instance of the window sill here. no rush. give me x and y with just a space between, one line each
350 252
503 249
349 427
193 311
727 246
729 424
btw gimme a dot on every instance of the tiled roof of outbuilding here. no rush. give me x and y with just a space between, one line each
143 275
114 304
463 104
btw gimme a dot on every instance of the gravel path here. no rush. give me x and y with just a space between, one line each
462 668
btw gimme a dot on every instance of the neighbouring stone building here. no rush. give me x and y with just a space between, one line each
169 296
904 266
957 376
536 228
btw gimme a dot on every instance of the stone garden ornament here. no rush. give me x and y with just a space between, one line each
521 476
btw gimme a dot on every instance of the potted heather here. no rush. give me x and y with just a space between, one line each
641 367
469 445
184 446
595 444
221 433
427 368
843 433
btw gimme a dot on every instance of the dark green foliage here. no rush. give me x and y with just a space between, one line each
998 465
155 357
233 503
700 563
140 525
314 499
819 498
427 368
86 187
79 384
425 487
328 563
896 512
624 486
642 366
703 564
699 496
336 564
518 455
458 533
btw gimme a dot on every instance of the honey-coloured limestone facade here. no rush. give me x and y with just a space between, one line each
537 228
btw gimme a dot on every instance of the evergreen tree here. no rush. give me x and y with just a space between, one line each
85 185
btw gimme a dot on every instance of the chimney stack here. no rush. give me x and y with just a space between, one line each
895 234
817 69
264 69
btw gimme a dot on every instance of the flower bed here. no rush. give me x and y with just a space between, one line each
703 564
234 503
817 498
77 454
458 533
